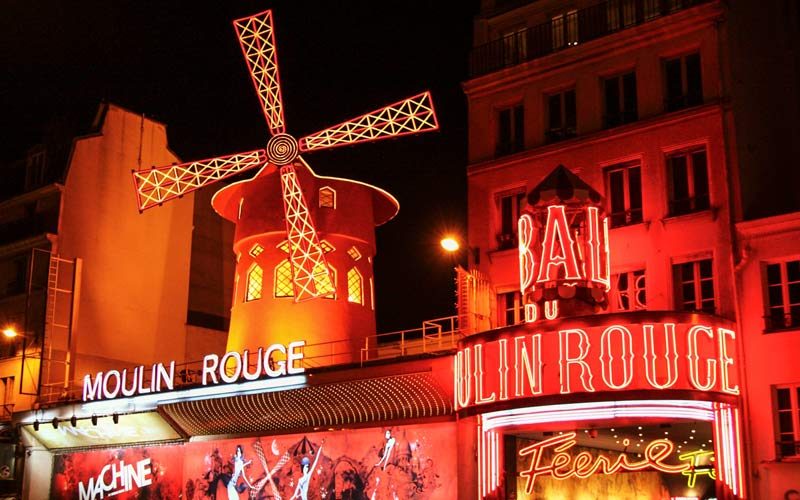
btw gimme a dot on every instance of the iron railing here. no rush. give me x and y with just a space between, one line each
436 335
568 30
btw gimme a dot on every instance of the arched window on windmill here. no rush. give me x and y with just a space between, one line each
255 282
355 287
282 285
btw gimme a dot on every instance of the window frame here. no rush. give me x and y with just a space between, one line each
631 292
516 129
622 115
697 285
628 213
360 280
786 304
794 408
693 198
247 288
329 191
506 241
564 130
517 308
688 97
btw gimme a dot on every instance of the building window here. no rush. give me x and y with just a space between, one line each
327 197
7 386
787 420
355 288
354 253
256 250
510 130
255 281
515 46
620 100
688 182
683 82
509 207
325 282
512 310
694 286
561 116
620 14
283 285
629 292
624 192
783 295
564 29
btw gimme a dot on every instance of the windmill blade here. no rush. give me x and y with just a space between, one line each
257 38
159 184
409 116
310 272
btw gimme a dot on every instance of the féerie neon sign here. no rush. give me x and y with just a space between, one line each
562 465
611 357
274 361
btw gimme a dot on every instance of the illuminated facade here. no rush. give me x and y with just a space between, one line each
610 338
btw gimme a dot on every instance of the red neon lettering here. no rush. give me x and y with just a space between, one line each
670 356
694 360
565 359
557 233
527 263
479 397
563 466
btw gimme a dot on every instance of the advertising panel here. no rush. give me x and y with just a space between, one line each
414 462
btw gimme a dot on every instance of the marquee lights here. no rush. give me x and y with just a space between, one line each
611 357
724 417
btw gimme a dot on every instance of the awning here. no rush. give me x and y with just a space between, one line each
355 402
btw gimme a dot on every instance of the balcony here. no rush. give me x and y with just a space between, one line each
568 30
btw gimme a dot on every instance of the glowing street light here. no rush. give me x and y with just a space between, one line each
450 244
10 333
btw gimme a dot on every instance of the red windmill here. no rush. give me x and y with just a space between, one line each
310 270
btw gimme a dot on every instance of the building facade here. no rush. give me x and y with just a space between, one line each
624 330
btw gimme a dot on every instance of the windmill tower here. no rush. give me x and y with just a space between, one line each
304 243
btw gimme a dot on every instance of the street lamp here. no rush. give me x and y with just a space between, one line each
450 244
10 332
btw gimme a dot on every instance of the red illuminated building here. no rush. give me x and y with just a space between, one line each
626 328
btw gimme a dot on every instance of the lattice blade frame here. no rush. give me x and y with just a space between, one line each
156 185
305 252
409 116
257 39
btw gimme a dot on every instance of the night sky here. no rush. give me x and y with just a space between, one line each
180 62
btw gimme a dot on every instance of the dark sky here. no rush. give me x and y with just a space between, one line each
180 62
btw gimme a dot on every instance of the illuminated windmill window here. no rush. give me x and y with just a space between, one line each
355 288
354 253
256 250
327 197
326 246
284 246
325 283
255 281
283 280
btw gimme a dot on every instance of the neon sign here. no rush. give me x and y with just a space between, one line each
619 356
562 465
275 361
562 251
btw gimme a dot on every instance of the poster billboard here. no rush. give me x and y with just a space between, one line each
406 461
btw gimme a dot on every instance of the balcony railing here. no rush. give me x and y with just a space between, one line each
569 30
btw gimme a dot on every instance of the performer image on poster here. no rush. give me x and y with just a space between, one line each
387 449
301 491
238 470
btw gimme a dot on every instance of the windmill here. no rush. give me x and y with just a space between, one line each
310 270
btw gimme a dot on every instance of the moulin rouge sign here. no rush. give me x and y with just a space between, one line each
670 351
275 361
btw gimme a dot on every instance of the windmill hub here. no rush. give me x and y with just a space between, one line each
282 149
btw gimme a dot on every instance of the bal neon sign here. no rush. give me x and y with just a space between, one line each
614 357
275 361
566 251
561 465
